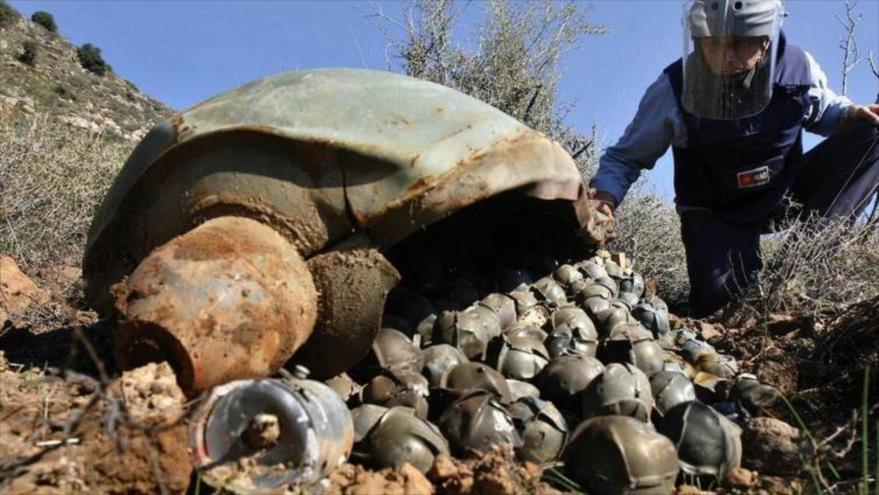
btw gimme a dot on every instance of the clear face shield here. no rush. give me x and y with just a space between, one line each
730 49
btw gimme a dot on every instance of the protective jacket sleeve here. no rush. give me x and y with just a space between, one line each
657 125
828 108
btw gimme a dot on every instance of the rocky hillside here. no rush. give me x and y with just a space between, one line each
50 80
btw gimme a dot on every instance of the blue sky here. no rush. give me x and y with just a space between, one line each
182 52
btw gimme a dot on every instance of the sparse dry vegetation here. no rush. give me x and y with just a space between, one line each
515 65
7 13
51 179
28 55
649 230
813 265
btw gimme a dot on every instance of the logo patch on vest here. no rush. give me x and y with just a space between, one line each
755 177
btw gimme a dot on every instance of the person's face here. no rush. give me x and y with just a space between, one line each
729 55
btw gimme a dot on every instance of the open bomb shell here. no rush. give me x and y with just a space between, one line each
397 436
519 358
669 389
469 376
618 455
564 379
398 388
439 360
708 443
542 427
620 389
632 343
476 422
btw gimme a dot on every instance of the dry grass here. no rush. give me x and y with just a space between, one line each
814 265
809 265
649 231
52 178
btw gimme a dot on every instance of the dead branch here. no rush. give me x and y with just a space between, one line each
848 43
874 68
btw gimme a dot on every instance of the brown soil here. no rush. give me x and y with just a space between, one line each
71 434
818 362
127 436
356 480
495 473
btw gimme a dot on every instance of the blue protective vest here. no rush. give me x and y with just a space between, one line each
742 168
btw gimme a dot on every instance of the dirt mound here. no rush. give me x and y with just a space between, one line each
819 363
356 480
64 434
495 473
17 293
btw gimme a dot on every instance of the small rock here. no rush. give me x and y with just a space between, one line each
709 331
443 468
17 291
675 321
151 394
263 432
772 485
772 446
740 478
81 123
415 482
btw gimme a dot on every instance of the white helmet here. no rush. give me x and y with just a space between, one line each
743 18
730 48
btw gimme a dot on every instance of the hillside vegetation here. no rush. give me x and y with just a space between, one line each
43 74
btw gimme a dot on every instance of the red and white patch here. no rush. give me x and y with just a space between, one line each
754 177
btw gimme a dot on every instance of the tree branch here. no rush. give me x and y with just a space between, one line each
848 43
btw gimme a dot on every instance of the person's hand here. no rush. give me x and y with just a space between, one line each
866 113
604 203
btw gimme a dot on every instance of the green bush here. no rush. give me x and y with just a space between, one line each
46 20
28 55
90 58
7 13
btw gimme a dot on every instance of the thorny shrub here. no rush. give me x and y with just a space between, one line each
810 265
52 178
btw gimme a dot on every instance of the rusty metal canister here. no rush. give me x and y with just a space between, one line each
230 299
259 436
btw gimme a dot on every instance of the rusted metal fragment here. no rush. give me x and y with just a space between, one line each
353 284
296 188
526 163
230 299
160 138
